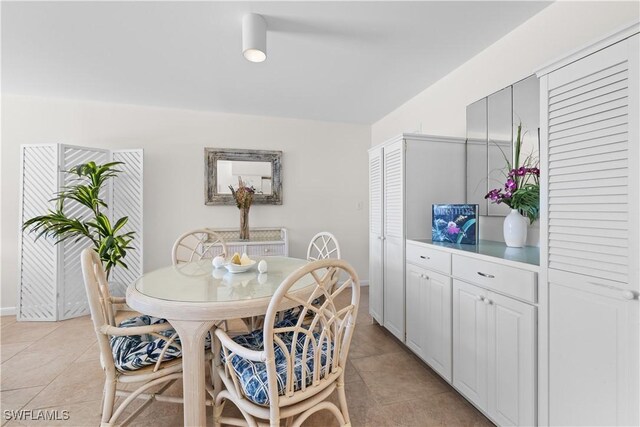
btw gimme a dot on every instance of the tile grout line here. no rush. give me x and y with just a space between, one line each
52 380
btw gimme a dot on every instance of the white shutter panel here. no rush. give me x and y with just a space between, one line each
38 259
394 190
72 301
588 116
375 192
127 201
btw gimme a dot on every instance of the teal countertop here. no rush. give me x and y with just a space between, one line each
527 255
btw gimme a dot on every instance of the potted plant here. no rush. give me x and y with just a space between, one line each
521 193
86 189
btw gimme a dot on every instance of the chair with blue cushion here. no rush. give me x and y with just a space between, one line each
143 350
289 369
323 245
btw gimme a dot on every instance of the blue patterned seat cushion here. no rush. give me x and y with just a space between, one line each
253 375
137 351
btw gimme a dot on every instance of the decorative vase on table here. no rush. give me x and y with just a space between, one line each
244 223
243 196
515 229
521 193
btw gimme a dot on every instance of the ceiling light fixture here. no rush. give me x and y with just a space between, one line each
254 37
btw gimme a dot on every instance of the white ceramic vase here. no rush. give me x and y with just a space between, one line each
515 229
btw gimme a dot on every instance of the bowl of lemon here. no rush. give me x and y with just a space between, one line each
240 264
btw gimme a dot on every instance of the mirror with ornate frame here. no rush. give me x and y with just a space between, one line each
260 169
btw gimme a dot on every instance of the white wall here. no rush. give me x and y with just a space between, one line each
551 34
324 169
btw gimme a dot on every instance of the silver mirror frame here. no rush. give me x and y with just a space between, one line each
211 157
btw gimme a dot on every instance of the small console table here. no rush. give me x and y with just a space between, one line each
262 241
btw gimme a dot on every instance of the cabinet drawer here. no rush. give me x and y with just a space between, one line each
432 259
501 278
265 250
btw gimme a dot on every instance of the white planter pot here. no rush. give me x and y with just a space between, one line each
515 229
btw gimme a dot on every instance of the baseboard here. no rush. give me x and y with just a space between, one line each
7 311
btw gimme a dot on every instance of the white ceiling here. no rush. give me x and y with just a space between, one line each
337 61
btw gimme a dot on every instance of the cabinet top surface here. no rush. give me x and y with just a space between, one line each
527 255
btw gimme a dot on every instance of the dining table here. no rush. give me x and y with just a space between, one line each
196 296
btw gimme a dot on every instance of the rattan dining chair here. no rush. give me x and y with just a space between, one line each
196 245
322 246
142 350
289 369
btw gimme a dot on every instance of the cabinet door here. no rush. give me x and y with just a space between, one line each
592 132
593 353
393 288
375 235
511 374
470 342
393 238
416 316
437 307
375 278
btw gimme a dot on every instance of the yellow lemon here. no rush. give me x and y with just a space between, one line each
235 259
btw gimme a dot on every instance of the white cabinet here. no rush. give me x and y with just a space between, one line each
590 154
428 317
494 353
593 345
400 205
262 241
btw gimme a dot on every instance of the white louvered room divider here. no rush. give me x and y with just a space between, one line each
51 285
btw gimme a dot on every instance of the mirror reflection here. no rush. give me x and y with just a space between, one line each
254 174
477 185
500 147
491 125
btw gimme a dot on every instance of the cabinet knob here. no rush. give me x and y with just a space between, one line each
479 297
267 250
424 257
487 301
628 295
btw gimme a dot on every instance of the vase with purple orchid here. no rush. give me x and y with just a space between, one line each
522 187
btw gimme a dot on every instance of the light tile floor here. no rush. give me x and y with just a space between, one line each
55 366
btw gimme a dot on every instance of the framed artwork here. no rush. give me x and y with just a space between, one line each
455 224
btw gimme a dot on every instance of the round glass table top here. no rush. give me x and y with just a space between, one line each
199 281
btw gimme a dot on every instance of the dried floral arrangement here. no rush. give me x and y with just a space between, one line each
243 195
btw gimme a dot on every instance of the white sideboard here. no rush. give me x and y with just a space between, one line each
471 315
590 153
407 161
262 241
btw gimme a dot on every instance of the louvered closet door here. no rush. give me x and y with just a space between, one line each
375 235
394 238
590 142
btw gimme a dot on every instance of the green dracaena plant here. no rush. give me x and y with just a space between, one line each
85 188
